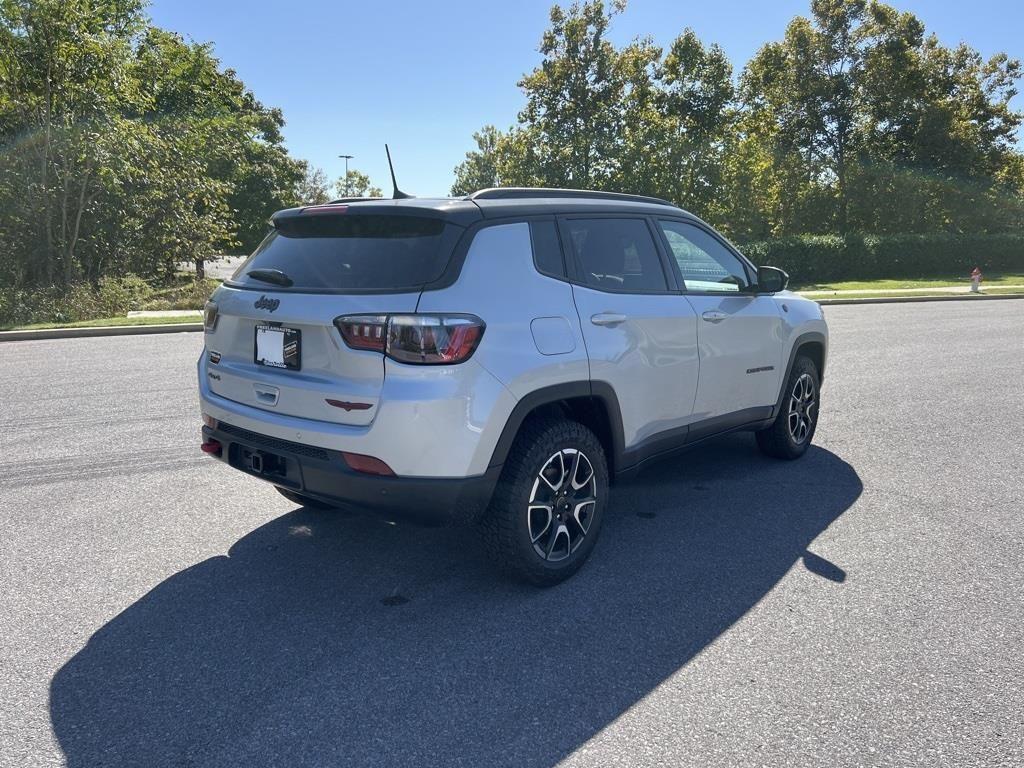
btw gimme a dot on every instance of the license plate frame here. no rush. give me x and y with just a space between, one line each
275 346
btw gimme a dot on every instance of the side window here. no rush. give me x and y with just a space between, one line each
616 255
704 263
547 251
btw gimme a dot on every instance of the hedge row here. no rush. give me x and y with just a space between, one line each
823 258
111 297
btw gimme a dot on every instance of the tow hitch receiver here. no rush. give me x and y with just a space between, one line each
263 463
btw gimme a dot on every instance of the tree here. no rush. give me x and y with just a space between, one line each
128 149
184 82
873 126
62 66
855 121
480 168
810 84
572 112
314 188
695 103
356 184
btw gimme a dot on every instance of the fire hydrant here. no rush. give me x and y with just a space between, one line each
975 280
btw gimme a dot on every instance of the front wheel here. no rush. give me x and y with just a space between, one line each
548 507
790 434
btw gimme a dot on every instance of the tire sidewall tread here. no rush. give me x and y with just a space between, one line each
775 440
504 527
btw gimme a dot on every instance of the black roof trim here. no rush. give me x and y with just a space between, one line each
523 193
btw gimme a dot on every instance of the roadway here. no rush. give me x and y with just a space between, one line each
859 607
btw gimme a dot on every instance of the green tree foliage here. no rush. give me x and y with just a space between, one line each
856 120
313 189
480 169
875 126
123 148
356 184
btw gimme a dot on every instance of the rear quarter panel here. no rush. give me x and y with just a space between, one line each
533 337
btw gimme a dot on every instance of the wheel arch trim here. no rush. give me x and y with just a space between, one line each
557 393
801 341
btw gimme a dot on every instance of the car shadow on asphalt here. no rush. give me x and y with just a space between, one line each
335 639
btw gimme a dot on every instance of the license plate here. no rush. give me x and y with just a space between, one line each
278 347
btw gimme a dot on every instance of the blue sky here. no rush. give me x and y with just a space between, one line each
424 75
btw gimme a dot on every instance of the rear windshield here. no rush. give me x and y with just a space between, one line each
352 253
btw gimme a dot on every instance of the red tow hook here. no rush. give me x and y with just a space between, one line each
212 447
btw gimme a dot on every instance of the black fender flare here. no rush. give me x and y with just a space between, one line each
556 393
808 337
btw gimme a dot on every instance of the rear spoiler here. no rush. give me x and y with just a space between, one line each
460 213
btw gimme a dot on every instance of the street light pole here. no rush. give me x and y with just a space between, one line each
348 188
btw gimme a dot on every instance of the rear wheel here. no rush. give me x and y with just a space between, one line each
790 434
302 499
547 510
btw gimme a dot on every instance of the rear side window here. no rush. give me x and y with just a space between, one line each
547 251
352 253
616 255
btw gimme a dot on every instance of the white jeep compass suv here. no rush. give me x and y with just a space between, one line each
499 359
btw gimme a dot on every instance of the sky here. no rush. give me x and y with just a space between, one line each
423 76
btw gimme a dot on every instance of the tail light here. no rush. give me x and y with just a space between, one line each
418 339
210 316
364 331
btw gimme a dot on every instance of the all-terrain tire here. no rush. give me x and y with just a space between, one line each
801 401
510 523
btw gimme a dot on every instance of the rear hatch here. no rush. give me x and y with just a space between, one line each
274 340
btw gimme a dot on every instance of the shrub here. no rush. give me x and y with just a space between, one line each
117 296
112 297
824 258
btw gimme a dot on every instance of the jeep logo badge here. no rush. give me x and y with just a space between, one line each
268 304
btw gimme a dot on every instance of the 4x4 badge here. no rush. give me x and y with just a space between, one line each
268 304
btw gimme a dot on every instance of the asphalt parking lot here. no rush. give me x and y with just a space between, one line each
860 607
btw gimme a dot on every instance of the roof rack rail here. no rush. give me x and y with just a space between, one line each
518 193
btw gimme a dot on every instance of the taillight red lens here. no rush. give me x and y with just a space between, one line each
417 339
433 339
364 331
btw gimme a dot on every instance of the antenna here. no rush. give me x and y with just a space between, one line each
397 194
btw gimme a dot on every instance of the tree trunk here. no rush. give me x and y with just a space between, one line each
64 221
82 203
842 223
48 232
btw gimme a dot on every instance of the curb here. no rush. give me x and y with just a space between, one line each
919 299
110 330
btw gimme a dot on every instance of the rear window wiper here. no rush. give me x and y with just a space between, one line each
275 276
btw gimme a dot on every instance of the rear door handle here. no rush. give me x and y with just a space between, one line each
607 318
714 316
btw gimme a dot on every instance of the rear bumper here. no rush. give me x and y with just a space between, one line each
427 423
324 475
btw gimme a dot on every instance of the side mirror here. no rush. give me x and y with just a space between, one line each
771 280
